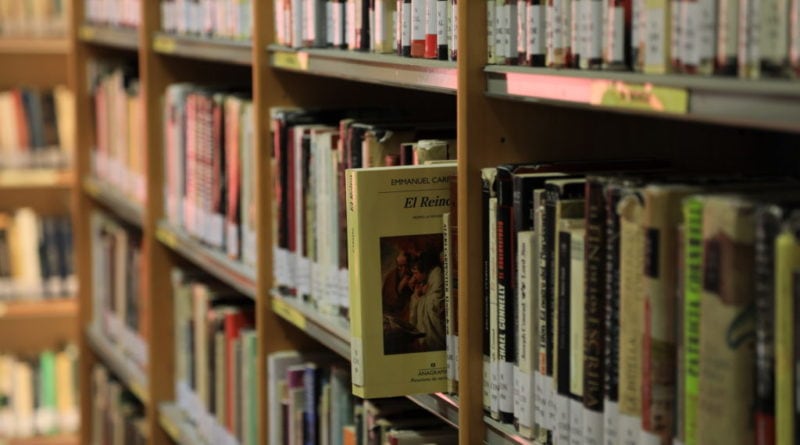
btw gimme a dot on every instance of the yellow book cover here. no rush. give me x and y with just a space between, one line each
397 310
787 267
727 323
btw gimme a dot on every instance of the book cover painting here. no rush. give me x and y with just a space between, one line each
397 279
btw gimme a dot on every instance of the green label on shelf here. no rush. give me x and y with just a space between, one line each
640 96
288 313
291 60
164 44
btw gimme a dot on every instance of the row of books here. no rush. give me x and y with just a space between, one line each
219 19
39 394
118 300
36 256
311 150
36 128
310 403
118 157
748 38
215 359
209 168
120 13
33 18
410 28
639 308
118 418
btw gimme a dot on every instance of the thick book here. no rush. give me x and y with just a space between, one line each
411 201
787 282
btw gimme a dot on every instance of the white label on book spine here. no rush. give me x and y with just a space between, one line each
357 356
418 19
592 427
487 383
562 419
506 387
552 403
405 38
516 392
648 438
539 400
576 422
610 422
441 22
490 30
536 39
594 29
522 26
655 49
629 429
707 29
495 370
232 240
526 399
690 51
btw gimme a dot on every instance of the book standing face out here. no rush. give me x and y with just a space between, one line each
395 241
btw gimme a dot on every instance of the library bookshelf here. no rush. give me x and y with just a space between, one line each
503 114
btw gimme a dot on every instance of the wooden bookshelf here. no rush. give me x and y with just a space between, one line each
113 37
404 72
503 115
216 50
17 180
235 274
122 366
31 326
119 204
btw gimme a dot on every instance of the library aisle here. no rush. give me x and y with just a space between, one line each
399 222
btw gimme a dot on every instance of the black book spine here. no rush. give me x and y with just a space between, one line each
364 35
548 262
768 225
612 283
594 315
44 265
563 301
506 299
486 194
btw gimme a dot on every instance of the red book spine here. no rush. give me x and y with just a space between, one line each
191 183
234 323
431 37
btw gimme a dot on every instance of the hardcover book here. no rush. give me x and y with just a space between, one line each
397 257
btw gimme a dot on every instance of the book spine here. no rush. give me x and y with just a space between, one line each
442 29
630 324
491 30
768 224
727 330
693 282
536 32
356 314
506 298
563 353
787 261
486 193
526 333
494 334
595 311
727 37
431 42
611 353
447 268
657 19
453 30
406 23
577 294
542 377
522 33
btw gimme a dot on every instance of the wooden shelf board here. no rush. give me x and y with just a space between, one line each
123 367
61 439
769 104
421 74
498 433
38 310
115 37
217 50
122 206
34 45
334 334
28 179
234 273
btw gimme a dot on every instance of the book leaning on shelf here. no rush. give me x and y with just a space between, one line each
395 246
39 394
119 304
36 256
118 418
209 168
37 128
215 359
310 402
33 18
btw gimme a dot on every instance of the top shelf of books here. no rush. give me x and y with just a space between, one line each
43 45
769 104
112 36
238 52
421 74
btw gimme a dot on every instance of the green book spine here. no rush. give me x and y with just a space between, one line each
47 377
693 282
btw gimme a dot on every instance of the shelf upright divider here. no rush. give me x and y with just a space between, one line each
81 208
472 141
154 78
274 334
